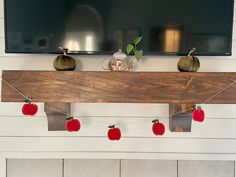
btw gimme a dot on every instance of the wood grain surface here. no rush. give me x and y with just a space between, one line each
180 119
56 115
119 87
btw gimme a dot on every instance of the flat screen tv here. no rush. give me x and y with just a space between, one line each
104 26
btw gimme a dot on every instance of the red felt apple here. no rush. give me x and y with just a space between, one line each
72 125
198 114
113 133
29 108
158 128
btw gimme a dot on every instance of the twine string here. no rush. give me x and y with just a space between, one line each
209 99
219 92
14 88
30 98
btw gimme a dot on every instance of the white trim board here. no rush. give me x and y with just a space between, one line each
106 155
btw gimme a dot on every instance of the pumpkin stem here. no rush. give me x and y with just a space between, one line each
65 50
191 51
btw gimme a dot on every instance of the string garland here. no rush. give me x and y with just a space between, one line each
114 132
209 99
31 100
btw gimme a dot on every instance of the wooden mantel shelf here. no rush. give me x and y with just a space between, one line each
119 87
179 89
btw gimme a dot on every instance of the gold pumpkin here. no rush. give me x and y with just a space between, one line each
64 62
189 63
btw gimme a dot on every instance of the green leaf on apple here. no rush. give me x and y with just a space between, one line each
69 118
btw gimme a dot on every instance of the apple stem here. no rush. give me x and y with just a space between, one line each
155 120
199 107
191 51
69 118
111 126
27 101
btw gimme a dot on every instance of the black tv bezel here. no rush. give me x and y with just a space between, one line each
229 53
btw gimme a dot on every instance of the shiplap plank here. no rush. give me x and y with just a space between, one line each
93 63
2 46
13 109
2 27
234 30
130 127
208 64
234 10
3 168
114 110
125 145
116 155
146 110
117 109
94 110
1 9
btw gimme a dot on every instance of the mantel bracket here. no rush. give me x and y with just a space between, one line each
180 122
56 115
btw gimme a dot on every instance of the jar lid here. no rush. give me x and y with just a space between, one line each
119 55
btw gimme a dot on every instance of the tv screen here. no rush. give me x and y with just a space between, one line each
104 26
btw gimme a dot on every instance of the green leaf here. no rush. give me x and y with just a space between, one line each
155 120
111 126
69 118
27 101
137 40
129 48
138 54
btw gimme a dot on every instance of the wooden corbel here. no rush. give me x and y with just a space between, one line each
180 119
56 115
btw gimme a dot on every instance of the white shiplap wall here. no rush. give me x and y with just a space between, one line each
23 137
